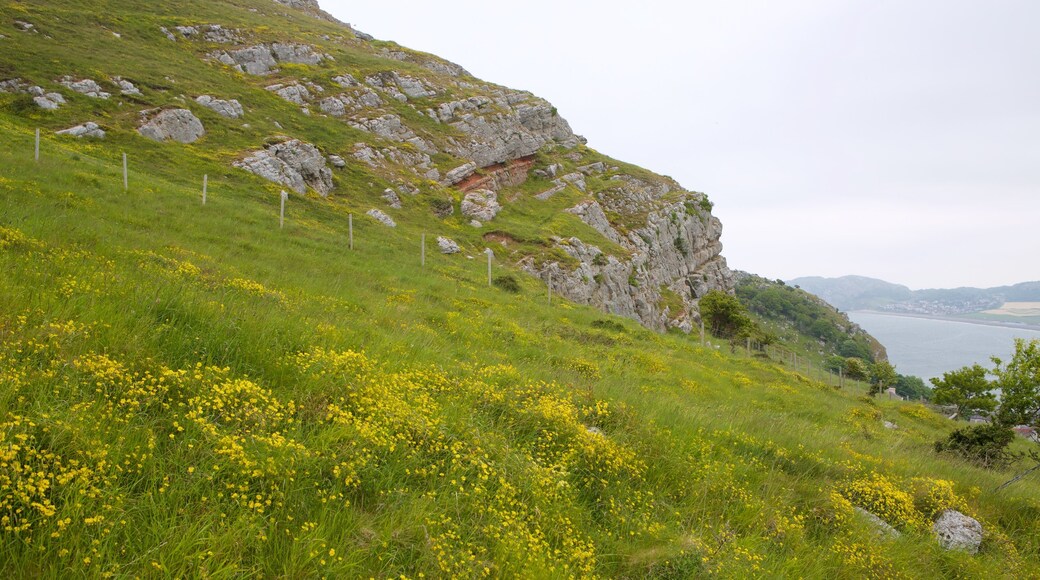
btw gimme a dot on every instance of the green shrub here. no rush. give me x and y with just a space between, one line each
508 283
985 445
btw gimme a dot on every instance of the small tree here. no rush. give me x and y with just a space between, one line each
967 388
855 368
725 315
1019 382
882 375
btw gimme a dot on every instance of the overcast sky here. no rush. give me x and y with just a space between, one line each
893 139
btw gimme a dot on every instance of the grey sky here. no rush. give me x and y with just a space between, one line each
894 139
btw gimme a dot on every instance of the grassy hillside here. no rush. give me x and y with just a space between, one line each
189 390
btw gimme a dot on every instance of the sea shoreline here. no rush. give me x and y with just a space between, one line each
1000 323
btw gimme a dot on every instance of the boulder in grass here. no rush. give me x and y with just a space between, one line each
382 218
178 125
447 245
956 531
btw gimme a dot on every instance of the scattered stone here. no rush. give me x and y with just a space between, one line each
168 34
556 188
363 36
231 109
89 129
25 26
346 81
447 245
459 173
956 531
292 163
179 125
576 179
382 218
594 430
210 33
294 93
597 167
391 127
475 223
12 86
881 528
337 161
126 87
86 87
890 425
481 204
49 101
391 198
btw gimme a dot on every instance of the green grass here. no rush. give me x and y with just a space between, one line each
188 390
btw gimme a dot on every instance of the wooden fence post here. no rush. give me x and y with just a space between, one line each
205 185
37 154
350 228
281 215
126 182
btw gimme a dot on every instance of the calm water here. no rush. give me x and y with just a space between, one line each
928 348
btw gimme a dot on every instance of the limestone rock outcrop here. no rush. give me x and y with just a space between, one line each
179 125
264 58
674 248
481 204
513 125
231 108
292 163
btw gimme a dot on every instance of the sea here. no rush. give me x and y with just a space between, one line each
928 347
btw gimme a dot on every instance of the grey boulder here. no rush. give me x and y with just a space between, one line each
956 531
447 245
85 130
481 205
178 125
231 109
292 163
382 218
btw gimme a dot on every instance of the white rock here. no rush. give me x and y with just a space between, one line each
86 87
337 161
231 109
382 218
179 125
126 87
292 163
84 130
481 204
447 245
956 531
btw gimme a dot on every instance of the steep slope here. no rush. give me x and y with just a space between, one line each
315 106
193 389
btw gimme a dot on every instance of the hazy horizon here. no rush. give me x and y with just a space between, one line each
895 140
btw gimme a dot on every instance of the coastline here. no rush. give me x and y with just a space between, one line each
1000 323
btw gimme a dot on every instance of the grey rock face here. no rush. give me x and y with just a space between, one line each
416 161
263 58
447 245
437 65
677 249
576 179
956 531
557 187
231 109
400 87
513 125
382 218
179 125
481 204
292 163
391 127
459 173
882 529
344 104
86 87
345 81
12 86
85 130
